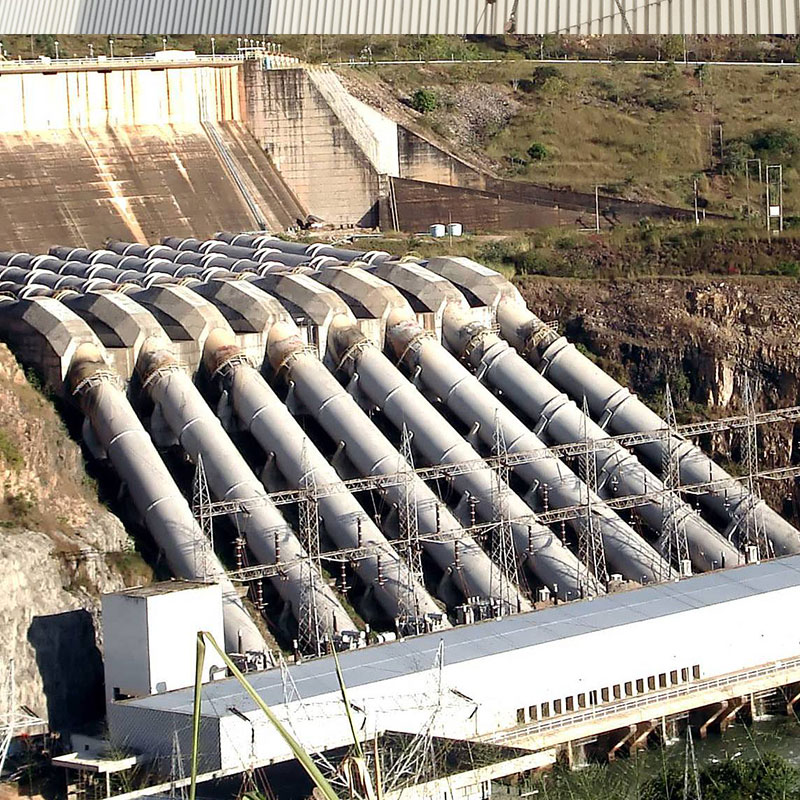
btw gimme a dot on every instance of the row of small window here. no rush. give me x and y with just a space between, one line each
607 694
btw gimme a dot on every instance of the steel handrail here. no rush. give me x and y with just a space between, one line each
652 698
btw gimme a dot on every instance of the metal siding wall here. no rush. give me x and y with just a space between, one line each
396 16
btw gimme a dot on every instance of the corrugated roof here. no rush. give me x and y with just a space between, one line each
470 642
397 16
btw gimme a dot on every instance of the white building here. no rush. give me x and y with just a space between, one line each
150 636
547 667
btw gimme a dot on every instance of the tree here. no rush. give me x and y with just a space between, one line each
424 100
537 152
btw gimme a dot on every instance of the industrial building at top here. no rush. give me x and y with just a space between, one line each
476 17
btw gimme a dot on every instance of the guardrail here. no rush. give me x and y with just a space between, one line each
642 701
273 60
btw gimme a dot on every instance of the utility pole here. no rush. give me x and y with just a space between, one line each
754 533
201 509
774 192
597 209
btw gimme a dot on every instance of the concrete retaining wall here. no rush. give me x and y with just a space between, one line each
420 160
420 205
312 148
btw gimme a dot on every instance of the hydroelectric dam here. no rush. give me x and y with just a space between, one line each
353 464
418 473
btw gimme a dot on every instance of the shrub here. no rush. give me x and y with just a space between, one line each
663 102
538 152
776 143
19 506
424 101
737 152
9 451
545 73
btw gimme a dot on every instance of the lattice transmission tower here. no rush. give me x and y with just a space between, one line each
591 551
673 542
310 625
410 547
503 552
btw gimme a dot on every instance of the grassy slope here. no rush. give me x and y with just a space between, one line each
600 124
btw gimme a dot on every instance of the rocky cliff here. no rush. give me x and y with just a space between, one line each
701 335
59 549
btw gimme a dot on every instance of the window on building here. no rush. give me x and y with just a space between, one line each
593 697
651 682
581 700
569 703
662 680
617 691
685 674
673 677
557 706
640 685
533 713
520 716
604 694
696 671
545 710
628 688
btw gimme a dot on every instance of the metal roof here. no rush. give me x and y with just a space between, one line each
398 16
470 642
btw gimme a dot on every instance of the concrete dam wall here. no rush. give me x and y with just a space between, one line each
311 145
132 154
164 95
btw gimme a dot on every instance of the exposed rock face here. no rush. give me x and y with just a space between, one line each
60 549
701 335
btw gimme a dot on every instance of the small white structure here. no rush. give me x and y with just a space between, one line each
150 635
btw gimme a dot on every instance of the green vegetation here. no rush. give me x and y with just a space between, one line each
766 777
538 152
131 566
9 451
424 100
643 250
641 131
19 507
775 49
